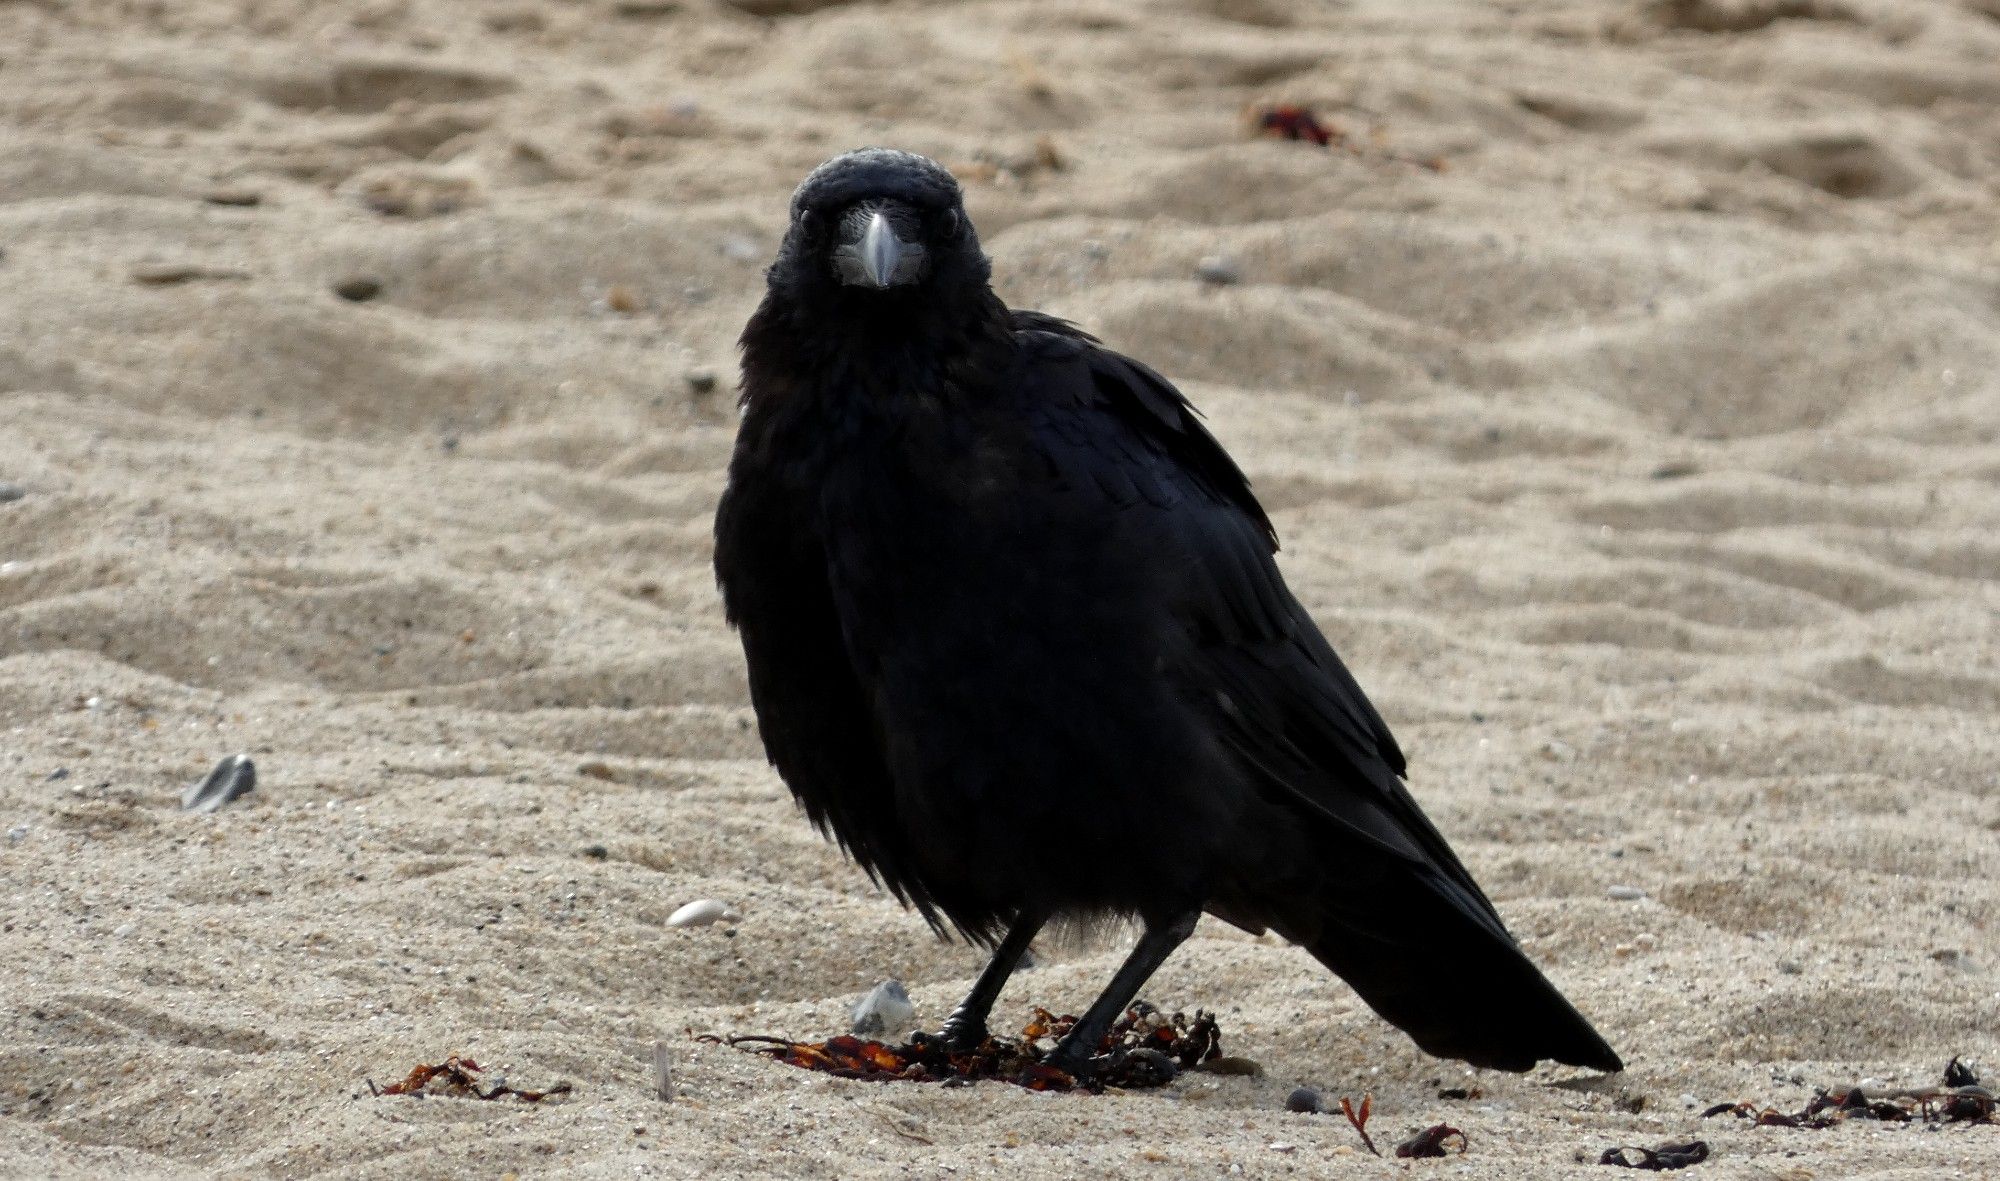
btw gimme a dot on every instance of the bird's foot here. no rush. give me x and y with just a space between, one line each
962 1033
1136 1067
1071 1059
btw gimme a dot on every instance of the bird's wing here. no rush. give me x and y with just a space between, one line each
812 711
1112 428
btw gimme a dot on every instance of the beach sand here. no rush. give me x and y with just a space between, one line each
1622 382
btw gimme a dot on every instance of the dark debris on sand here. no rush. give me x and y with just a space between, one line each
1665 1158
1960 1100
458 1078
1145 1048
1436 1140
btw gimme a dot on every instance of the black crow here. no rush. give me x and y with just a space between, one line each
1016 639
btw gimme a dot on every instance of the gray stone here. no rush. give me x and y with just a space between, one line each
234 776
886 1009
1219 270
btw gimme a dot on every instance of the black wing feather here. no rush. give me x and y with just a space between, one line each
1373 889
1272 650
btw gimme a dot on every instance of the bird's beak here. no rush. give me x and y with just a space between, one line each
873 255
881 250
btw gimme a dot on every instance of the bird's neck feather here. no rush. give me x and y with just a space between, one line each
873 356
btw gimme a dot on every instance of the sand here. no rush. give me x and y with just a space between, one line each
1623 384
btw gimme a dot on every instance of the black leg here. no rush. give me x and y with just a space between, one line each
1079 1045
965 1029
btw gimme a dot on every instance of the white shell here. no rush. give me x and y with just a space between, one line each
701 914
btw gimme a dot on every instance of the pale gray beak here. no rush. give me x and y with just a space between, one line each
872 254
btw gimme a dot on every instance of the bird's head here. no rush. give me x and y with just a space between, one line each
876 228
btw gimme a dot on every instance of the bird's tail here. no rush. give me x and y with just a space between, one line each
1450 976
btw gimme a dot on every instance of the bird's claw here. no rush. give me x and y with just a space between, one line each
962 1035
1074 1061
1142 1066
1147 1067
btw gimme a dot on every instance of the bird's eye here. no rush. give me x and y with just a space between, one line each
805 220
951 220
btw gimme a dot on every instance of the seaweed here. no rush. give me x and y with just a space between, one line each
458 1077
1960 1100
1144 1049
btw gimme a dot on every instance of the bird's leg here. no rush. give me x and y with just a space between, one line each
1080 1044
965 1029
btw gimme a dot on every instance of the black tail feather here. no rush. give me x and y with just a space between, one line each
1457 986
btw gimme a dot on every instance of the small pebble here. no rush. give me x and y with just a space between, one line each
358 289
123 929
168 274
1305 1100
234 776
701 913
241 198
1219 270
701 381
596 852
17 834
1625 893
886 1009
1281 1146
623 300
11 492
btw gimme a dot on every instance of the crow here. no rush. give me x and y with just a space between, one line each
1017 640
